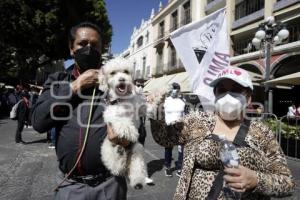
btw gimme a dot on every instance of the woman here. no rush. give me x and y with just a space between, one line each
262 171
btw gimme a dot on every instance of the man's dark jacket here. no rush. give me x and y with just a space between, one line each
70 134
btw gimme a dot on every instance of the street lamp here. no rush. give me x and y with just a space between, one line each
268 34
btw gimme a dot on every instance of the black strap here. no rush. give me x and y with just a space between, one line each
239 140
216 187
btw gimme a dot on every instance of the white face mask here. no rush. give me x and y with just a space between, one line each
174 93
230 106
139 90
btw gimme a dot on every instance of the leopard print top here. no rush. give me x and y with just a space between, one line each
201 162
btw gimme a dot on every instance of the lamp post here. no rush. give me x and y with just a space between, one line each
269 34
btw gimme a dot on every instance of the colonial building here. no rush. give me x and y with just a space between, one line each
244 18
140 50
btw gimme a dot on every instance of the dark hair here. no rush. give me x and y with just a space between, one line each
175 86
86 24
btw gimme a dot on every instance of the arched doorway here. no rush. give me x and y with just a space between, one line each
283 96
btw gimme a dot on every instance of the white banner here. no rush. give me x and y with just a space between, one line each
203 48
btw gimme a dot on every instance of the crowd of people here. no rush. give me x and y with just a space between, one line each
260 168
23 97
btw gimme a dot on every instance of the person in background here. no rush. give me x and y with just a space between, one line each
174 108
139 85
298 110
291 111
52 138
262 171
22 116
12 98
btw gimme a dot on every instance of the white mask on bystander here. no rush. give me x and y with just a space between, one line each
139 89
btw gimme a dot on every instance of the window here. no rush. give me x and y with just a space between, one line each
174 21
144 65
148 71
248 7
173 57
161 30
147 37
138 74
243 46
294 30
159 61
186 13
134 66
140 42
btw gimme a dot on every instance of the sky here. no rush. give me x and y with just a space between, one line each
124 15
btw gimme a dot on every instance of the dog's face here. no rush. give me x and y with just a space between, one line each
118 75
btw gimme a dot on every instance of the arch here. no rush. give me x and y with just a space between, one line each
285 60
251 66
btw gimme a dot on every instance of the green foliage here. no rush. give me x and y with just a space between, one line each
32 28
288 129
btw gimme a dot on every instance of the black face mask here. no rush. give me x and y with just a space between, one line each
87 58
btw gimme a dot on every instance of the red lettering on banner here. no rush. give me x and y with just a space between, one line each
215 68
218 63
211 73
223 56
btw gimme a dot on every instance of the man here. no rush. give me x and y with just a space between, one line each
65 104
22 116
174 108
139 85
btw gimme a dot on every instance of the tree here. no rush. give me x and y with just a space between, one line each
32 29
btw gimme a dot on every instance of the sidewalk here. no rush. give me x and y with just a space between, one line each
27 172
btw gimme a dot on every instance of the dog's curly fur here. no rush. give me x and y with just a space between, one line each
124 119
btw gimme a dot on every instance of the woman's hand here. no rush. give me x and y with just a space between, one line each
114 138
240 179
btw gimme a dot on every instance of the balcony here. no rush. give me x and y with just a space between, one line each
248 11
185 21
159 42
294 30
213 5
248 19
159 69
243 46
173 28
173 66
283 4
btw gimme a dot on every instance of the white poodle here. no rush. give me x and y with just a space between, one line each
123 115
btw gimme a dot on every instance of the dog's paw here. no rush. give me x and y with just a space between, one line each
126 129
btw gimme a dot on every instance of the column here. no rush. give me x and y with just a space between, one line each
198 9
270 99
230 10
269 8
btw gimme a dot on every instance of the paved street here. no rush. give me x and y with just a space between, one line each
27 172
